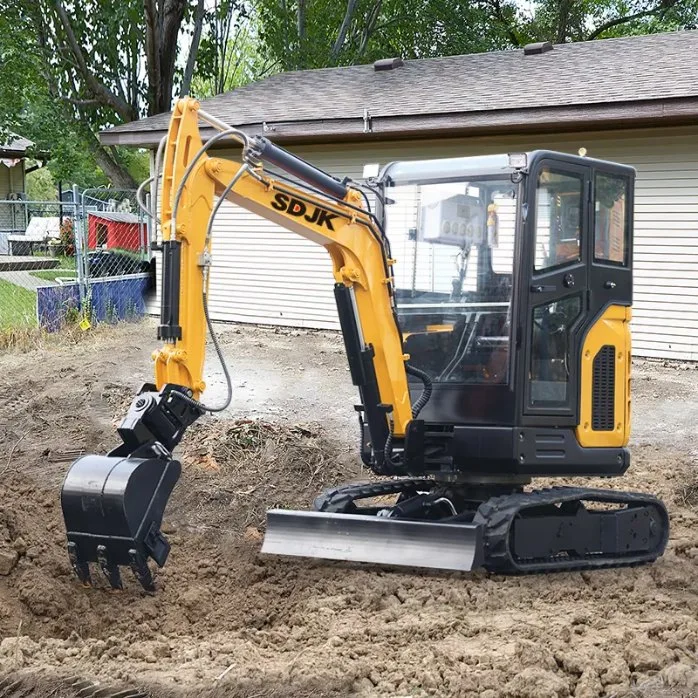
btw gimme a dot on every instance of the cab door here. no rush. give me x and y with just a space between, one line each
554 290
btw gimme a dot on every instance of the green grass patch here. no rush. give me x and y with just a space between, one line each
53 274
63 261
17 306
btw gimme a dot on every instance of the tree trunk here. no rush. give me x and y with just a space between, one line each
193 49
563 21
163 19
118 175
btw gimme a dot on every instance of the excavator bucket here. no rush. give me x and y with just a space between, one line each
113 508
374 539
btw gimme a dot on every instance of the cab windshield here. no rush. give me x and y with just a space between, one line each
454 242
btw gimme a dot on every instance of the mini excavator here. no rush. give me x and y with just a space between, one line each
492 347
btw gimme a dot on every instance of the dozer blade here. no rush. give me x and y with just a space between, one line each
113 508
380 540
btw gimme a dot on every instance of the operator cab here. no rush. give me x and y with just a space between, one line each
504 263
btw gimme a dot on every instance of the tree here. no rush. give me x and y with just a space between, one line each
90 55
562 21
40 185
229 55
299 34
321 33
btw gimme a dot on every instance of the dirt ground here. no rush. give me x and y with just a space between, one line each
228 622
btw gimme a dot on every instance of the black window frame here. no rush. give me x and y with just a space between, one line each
560 170
627 219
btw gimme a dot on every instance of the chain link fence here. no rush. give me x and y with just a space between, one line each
115 255
37 249
82 261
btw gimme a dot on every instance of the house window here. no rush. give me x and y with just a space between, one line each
102 232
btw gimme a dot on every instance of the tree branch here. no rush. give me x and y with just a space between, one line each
342 35
496 6
101 92
81 102
193 49
660 9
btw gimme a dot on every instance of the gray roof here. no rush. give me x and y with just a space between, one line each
15 144
117 216
592 78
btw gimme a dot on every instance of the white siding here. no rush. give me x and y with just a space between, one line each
264 274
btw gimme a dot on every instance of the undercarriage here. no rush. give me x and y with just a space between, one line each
501 528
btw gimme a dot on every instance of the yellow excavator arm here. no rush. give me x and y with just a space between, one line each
344 228
113 505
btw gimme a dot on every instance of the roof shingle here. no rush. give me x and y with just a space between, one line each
652 67
15 143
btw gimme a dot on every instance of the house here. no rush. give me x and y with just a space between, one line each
116 230
13 217
633 100
12 168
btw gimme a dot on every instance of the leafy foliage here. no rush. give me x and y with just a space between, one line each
73 67
302 34
40 185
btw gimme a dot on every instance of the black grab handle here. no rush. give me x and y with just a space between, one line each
264 149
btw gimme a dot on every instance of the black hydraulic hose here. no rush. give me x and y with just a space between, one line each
426 393
417 407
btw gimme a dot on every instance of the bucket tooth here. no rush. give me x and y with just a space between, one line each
109 568
140 570
378 540
80 567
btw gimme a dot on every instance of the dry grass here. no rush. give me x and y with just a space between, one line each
38 684
687 492
238 469
25 339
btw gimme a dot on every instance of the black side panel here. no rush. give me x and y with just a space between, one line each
486 404
603 390
483 449
541 451
531 451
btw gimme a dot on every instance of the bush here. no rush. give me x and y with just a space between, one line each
67 237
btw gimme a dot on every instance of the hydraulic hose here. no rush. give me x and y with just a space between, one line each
209 324
219 353
417 407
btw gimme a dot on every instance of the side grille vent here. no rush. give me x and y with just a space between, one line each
603 390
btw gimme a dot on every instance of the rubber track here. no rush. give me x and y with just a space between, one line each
498 514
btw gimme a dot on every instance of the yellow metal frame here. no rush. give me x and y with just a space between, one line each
352 241
612 328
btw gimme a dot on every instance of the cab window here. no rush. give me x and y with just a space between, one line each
611 218
558 219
